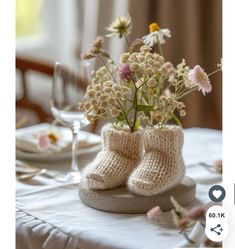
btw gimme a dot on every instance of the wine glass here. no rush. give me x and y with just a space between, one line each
69 83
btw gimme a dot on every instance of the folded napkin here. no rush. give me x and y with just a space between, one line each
27 139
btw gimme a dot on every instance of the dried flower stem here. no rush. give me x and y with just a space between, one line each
160 48
107 67
127 42
124 113
186 93
220 69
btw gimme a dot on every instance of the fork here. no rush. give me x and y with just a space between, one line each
35 171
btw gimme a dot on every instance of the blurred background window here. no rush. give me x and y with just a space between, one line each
28 21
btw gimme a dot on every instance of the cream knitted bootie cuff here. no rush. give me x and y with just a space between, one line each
121 152
162 166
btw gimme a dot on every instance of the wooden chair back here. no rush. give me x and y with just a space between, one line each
24 65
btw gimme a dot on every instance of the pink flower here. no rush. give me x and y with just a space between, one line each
124 72
153 213
43 141
198 76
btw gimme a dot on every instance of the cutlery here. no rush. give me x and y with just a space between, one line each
25 170
25 176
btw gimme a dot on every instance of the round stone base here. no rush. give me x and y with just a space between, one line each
121 200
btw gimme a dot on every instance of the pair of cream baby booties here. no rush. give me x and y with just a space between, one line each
147 171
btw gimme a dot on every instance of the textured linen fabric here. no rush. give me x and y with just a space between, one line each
162 166
120 154
50 215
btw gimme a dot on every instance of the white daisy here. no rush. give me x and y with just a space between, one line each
121 26
156 35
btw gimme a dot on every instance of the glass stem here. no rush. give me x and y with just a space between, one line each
74 163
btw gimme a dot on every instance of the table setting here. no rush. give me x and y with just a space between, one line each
142 180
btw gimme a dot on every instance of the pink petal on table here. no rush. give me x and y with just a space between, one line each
43 141
154 212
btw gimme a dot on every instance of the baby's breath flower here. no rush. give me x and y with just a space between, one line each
148 71
121 26
114 113
108 83
140 58
134 66
148 55
151 82
145 48
98 87
182 113
124 58
133 57
168 70
118 94
107 89
91 93
180 105
87 106
98 93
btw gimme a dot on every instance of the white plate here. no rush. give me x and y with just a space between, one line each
55 156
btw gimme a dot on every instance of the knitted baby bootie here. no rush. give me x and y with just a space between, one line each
162 166
120 154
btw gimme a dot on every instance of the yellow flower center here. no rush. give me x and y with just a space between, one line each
153 27
53 137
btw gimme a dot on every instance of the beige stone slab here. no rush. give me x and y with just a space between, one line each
121 200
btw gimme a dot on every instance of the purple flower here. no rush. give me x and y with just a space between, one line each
200 78
124 72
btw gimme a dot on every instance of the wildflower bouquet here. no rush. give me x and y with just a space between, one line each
144 89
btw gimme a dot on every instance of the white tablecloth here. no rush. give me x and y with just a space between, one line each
50 215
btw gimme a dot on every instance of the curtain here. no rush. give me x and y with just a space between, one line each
196 27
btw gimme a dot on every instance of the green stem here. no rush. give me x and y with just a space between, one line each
160 48
176 120
124 113
127 42
135 106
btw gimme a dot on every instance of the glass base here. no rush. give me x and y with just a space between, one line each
70 176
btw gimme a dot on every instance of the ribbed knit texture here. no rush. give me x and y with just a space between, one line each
162 166
121 152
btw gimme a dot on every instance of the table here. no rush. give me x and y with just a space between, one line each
50 215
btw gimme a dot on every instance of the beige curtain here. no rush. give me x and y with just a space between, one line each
196 27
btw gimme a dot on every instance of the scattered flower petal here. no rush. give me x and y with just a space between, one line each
153 213
43 141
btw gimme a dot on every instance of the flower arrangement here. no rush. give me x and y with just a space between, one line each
144 89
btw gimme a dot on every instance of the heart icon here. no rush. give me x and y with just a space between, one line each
217 193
